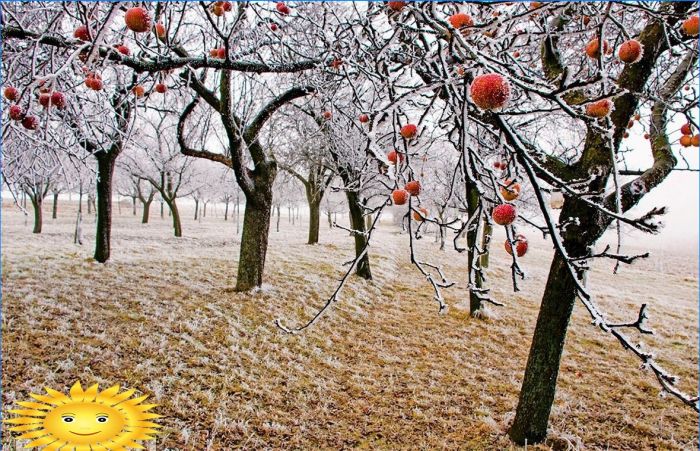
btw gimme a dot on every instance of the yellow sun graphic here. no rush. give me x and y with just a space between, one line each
87 420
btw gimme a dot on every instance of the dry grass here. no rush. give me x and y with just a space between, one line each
381 371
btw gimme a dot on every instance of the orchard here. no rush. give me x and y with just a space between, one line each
466 121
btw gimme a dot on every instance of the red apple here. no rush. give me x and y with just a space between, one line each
138 19
413 187
421 214
599 109
16 113
399 196
504 214
408 131
461 20
593 48
160 31
282 8
394 156
690 26
11 93
490 91
364 118
520 245
161 88
396 6
138 90
45 99
630 51
82 33
124 50
30 122
509 190
58 99
686 129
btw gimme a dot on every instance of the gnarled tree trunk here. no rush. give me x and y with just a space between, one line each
256 227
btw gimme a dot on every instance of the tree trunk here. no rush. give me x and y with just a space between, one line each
133 204
54 210
78 236
256 225
37 202
314 220
278 218
204 210
105 171
540 382
196 209
486 243
80 203
162 213
330 220
175 213
226 211
357 223
146 211
238 216
472 235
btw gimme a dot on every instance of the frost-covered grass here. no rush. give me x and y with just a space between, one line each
381 371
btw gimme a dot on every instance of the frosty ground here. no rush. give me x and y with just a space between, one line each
381 370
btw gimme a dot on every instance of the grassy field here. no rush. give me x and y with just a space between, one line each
381 371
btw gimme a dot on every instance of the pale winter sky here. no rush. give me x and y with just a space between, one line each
679 192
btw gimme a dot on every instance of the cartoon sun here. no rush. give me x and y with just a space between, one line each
87 420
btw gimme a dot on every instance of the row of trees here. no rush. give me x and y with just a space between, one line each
365 99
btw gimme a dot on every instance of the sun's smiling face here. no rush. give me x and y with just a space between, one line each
84 423
85 419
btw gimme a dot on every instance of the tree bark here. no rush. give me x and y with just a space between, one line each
54 210
472 235
357 223
175 214
539 384
256 225
486 243
314 220
146 211
37 202
238 215
278 218
78 236
105 172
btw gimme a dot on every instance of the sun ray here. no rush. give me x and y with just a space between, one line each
28 413
34 405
